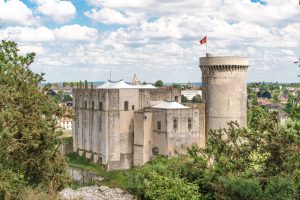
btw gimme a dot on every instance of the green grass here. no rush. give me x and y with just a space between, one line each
118 178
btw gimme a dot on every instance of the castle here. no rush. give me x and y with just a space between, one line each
120 125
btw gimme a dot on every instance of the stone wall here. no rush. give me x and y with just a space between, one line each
82 176
201 108
105 133
224 90
165 140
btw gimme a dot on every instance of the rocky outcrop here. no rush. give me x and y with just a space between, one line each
82 176
95 193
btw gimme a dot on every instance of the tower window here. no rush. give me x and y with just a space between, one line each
175 125
132 107
85 104
100 106
190 123
93 105
125 105
159 125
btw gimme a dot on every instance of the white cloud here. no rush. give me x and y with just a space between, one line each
76 33
38 49
111 16
159 39
60 11
28 34
121 3
16 12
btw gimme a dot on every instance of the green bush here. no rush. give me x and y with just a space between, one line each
162 179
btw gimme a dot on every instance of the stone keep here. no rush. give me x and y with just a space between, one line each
224 90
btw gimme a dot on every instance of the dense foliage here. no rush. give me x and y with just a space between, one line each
62 97
159 83
258 162
28 120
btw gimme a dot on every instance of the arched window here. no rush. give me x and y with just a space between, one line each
125 105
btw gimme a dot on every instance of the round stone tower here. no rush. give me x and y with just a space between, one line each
224 90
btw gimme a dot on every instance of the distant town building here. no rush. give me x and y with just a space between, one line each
274 107
66 123
283 99
263 101
135 80
189 94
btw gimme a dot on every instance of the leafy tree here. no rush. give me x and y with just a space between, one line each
176 85
289 106
159 83
197 99
261 155
86 85
161 179
184 99
28 119
295 114
276 97
253 99
62 97
264 94
67 98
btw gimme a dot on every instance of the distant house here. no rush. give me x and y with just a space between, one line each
263 101
66 124
283 99
274 107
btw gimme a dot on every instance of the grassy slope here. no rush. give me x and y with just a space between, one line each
111 179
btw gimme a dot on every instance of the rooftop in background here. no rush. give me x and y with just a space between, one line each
121 84
169 105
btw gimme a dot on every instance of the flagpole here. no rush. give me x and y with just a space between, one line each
110 77
206 43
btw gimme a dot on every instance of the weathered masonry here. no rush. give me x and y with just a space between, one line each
104 128
167 129
224 90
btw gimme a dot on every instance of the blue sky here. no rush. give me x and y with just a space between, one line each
82 39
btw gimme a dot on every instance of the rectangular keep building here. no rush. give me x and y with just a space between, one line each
108 129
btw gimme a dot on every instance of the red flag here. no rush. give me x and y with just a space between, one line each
203 40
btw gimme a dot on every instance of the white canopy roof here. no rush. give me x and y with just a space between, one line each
121 84
169 105
111 84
